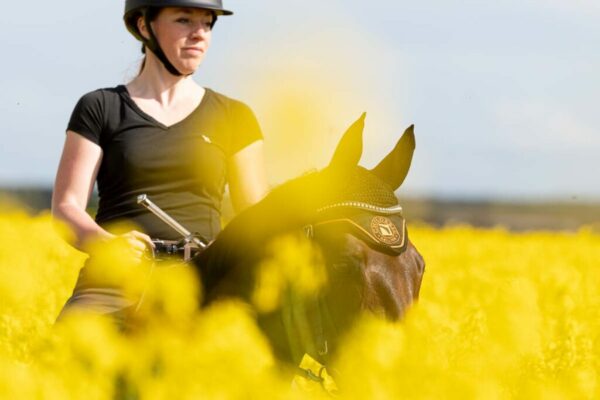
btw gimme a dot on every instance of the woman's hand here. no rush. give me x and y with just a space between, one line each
138 242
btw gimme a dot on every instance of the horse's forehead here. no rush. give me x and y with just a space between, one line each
349 244
373 257
406 264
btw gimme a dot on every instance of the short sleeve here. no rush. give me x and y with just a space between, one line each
245 127
86 119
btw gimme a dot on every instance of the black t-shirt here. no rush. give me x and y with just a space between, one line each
182 168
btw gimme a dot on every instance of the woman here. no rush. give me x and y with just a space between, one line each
162 135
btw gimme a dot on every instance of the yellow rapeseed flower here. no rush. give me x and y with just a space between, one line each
501 315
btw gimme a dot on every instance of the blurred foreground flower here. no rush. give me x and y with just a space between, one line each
501 315
293 263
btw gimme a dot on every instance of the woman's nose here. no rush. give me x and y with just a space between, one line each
200 30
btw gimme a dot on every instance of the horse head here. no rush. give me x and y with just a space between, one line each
361 231
354 218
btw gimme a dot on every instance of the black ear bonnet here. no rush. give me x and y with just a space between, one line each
369 210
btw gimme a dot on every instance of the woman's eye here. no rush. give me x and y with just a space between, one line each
207 25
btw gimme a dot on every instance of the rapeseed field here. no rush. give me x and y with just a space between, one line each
501 315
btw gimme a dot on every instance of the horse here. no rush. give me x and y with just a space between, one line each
353 217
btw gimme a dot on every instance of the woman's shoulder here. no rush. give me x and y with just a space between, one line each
227 102
243 126
102 95
94 110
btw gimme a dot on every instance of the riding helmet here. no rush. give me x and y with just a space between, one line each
135 9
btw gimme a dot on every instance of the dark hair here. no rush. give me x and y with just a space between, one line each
150 13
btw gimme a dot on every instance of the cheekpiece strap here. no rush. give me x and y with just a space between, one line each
154 46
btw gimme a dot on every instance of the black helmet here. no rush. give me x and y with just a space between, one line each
135 9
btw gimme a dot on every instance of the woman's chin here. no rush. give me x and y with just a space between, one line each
188 68
187 71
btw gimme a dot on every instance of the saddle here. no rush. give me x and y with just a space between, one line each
180 250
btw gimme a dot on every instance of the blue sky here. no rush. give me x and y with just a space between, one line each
503 94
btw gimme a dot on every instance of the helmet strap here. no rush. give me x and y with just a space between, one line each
154 46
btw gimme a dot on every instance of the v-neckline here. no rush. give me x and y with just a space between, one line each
145 115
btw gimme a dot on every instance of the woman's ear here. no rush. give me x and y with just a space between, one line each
142 28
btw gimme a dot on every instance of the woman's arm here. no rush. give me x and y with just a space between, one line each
73 186
74 183
247 176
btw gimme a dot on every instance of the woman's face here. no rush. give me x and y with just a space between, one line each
184 35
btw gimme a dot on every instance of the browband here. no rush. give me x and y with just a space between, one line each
363 206
381 227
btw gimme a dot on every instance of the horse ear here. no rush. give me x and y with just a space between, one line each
394 167
349 149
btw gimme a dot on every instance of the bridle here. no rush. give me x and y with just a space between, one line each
363 206
381 227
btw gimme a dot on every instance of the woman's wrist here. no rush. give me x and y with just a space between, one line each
95 235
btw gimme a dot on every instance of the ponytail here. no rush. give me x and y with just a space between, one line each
143 64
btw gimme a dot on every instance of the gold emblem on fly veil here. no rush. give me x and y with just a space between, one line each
384 230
